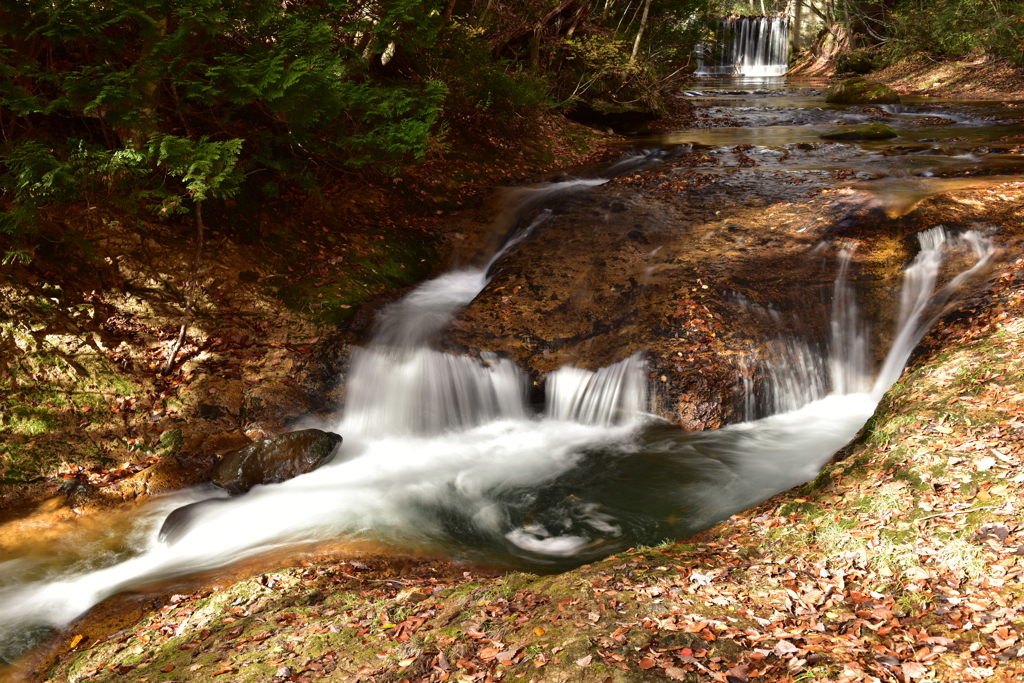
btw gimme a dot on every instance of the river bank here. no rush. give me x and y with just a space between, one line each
981 78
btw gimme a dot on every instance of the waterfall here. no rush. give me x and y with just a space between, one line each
920 304
443 455
747 46
798 370
612 395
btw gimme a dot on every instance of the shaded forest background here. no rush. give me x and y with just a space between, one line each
153 107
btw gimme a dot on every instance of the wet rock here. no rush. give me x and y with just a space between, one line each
860 90
321 375
267 408
274 460
865 131
181 519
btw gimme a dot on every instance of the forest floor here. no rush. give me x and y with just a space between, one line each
981 78
902 561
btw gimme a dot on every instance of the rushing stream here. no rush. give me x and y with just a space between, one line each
446 454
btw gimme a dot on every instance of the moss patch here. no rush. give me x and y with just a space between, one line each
860 90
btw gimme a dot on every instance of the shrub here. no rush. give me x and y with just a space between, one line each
114 97
957 28
488 94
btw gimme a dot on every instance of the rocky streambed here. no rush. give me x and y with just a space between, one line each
680 260
699 259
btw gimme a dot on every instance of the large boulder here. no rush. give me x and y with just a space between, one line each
865 131
274 460
860 90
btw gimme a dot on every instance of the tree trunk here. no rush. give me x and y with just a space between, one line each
640 32
191 297
485 15
535 49
448 9
149 82
798 25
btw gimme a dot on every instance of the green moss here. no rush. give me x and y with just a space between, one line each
864 131
393 261
860 90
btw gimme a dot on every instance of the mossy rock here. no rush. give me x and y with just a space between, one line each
860 90
865 131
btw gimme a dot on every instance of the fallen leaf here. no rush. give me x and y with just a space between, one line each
647 663
737 674
168 669
584 661
914 670
539 631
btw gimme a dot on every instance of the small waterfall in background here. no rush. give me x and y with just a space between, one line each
756 47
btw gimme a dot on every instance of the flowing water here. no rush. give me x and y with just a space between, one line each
940 145
748 46
446 454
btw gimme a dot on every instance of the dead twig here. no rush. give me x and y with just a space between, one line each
957 512
190 299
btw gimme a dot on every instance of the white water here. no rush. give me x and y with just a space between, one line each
749 46
443 453
801 372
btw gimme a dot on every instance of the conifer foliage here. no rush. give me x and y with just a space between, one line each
161 103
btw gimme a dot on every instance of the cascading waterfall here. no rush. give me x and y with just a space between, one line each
755 47
443 454
609 396
800 371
